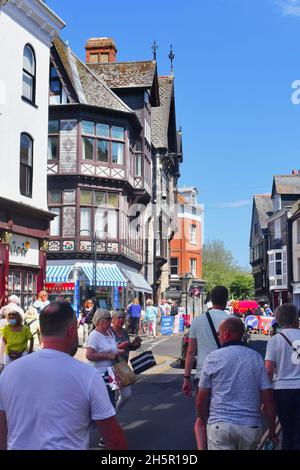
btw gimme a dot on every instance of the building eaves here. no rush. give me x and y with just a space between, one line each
161 115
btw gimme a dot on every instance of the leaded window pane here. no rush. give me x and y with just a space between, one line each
102 130
113 200
86 197
117 132
87 127
99 198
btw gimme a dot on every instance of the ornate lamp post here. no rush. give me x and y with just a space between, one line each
188 277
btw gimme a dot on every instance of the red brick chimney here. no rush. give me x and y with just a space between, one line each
100 50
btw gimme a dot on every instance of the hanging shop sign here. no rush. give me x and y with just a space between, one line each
24 250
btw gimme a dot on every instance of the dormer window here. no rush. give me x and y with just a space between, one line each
57 91
29 74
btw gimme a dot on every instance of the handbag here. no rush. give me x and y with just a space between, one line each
125 373
13 355
142 362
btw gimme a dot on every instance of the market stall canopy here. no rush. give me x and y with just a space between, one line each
58 273
139 282
107 274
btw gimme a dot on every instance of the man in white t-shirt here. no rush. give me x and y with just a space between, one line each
48 399
201 338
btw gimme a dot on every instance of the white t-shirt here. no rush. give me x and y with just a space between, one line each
101 344
201 331
287 373
50 399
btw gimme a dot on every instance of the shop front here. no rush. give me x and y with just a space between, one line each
22 268
75 283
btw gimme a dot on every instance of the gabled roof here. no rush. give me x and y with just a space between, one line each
264 207
87 86
161 115
126 74
122 75
286 184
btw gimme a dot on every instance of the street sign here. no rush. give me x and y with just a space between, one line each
167 325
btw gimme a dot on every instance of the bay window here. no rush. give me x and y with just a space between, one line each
102 143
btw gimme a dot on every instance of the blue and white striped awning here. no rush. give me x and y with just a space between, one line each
107 275
139 282
58 273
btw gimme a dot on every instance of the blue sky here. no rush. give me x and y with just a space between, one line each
235 62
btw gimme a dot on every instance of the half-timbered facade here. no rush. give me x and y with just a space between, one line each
152 99
98 173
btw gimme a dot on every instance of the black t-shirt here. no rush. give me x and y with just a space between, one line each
88 315
174 310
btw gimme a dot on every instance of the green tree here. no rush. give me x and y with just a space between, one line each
219 268
242 286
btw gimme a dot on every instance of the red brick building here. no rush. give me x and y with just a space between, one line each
186 284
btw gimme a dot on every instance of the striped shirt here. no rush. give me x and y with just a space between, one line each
201 331
236 375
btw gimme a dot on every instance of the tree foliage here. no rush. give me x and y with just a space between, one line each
242 286
219 268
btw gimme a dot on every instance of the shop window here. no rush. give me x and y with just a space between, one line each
23 284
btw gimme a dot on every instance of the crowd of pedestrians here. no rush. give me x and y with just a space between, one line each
234 386
233 383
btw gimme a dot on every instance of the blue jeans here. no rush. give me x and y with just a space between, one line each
288 410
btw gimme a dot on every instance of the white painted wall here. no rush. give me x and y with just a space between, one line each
16 116
296 252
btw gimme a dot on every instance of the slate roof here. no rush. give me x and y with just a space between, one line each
161 114
88 87
264 207
286 184
126 74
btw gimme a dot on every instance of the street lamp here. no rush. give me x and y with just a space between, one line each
187 277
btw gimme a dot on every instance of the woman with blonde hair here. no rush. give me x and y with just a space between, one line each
31 319
15 336
42 301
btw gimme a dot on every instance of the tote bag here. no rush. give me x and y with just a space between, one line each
142 362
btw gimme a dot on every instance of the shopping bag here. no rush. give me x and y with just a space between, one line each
110 379
125 373
142 362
